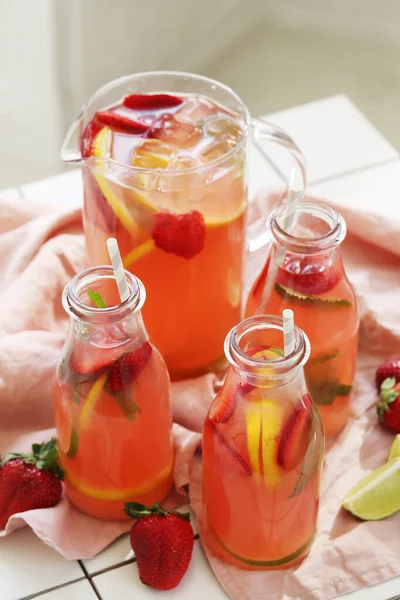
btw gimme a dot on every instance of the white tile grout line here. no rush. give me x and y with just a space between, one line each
52 589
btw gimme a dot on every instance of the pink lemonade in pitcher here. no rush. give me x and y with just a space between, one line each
262 452
309 278
180 224
111 401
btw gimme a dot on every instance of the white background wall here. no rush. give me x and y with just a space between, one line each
55 53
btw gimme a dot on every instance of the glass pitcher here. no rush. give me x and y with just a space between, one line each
304 271
263 445
111 400
175 197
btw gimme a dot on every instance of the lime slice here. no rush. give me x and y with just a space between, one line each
295 296
377 495
395 448
91 400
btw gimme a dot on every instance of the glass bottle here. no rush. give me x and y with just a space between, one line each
304 271
263 445
111 398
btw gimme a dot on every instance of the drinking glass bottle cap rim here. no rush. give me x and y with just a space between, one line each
74 306
74 155
281 365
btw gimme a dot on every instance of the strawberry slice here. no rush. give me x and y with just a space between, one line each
151 101
91 130
88 363
116 121
241 463
224 404
127 368
180 234
295 435
308 275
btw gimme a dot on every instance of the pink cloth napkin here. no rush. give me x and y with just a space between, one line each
41 249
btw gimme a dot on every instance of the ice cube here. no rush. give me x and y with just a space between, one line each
153 154
223 128
180 163
217 149
177 133
195 109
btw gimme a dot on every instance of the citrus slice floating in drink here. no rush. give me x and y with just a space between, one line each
377 495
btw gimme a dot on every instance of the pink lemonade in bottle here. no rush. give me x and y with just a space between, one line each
262 452
304 271
178 216
111 400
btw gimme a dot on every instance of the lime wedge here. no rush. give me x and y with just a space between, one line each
395 448
377 495
296 297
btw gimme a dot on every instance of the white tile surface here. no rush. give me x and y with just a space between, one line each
64 189
334 136
374 190
199 583
120 551
82 590
28 566
383 591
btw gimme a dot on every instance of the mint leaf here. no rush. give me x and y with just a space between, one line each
325 392
320 360
322 302
311 462
126 403
73 443
97 299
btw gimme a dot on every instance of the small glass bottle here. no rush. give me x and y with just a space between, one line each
304 271
111 398
263 445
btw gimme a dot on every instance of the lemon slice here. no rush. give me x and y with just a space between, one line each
253 425
91 400
100 494
153 154
377 495
395 448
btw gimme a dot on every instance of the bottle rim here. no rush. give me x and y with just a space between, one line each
75 307
253 366
312 244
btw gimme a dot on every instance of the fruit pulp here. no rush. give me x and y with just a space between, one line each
193 299
115 444
261 469
325 307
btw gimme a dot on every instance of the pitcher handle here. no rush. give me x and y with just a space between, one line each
264 130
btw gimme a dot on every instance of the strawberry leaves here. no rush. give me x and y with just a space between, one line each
44 456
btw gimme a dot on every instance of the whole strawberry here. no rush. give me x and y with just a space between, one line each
390 368
29 481
388 407
163 544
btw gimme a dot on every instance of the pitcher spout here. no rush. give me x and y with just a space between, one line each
71 149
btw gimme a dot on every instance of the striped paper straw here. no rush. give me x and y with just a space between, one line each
288 331
118 269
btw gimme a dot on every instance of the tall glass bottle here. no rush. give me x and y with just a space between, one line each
262 451
111 400
304 271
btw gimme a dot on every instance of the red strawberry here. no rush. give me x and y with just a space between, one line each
151 101
163 544
295 435
126 368
183 235
308 275
29 481
91 130
390 368
388 407
116 121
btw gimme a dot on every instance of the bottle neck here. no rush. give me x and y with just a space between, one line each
113 324
316 229
254 348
